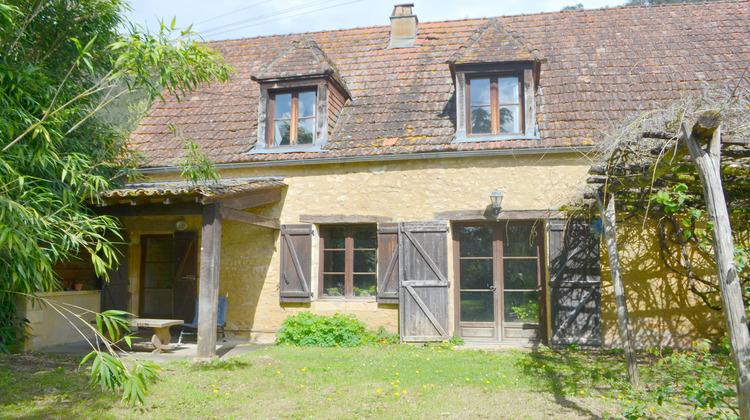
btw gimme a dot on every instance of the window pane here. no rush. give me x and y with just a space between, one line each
306 131
364 261
480 92
520 274
333 285
334 261
306 104
159 249
283 107
477 306
510 120
334 237
364 285
281 133
507 90
475 241
481 122
365 237
158 275
519 241
476 274
521 307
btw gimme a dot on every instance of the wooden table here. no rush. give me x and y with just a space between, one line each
161 337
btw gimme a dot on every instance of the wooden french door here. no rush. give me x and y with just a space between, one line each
498 270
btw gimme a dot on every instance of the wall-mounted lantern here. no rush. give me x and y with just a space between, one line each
497 201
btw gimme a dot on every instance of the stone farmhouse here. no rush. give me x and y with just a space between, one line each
412 175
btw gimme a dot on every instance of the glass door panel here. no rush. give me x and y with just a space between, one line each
476 273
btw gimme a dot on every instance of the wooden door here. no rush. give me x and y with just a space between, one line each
185 275
423 292
575 284
115 293
157 276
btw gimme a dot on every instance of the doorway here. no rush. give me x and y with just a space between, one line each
498 271
168 276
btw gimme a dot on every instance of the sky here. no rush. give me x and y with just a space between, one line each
233 19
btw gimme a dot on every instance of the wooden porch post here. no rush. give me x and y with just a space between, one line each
208 297
609 220
706 131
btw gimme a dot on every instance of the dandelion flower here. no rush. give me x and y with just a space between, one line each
424 386
404 391
226 393
378 391
216 390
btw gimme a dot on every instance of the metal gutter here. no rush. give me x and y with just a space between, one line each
383 158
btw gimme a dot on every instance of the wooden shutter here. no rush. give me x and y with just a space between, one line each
423 258
388 263
185 275
575 284
296 249
115 294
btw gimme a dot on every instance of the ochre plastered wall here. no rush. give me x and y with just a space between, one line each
662 309
411 190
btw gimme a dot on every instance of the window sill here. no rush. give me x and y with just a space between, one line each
358 300
265 150
462 138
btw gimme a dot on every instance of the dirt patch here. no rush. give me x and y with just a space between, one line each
37 362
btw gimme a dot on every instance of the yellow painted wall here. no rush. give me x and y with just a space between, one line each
662 309
403 191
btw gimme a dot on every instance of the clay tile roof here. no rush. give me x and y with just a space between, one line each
225 187
491 43
598 67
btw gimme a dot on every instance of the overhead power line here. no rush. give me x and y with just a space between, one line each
230 13
278 15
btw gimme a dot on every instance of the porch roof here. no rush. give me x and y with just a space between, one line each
222 189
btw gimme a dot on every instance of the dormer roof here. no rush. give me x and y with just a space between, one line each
491 43
302 59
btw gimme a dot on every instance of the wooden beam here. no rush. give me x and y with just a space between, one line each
155 209
208 299
249 218
708 164
340 218
503 215
607 212
247 200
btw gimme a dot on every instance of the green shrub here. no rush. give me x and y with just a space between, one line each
310 330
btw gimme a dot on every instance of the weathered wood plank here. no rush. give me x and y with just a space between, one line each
342 218
153 209
249 218
503 215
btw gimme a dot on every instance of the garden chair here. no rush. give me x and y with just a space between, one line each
221 320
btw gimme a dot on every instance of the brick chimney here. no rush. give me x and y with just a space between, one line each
403 26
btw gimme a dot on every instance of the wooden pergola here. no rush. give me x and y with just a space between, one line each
224 200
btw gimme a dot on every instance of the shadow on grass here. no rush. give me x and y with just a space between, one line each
564 373
42 386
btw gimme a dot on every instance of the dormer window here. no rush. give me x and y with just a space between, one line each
293 115
495 105
302 96
496 78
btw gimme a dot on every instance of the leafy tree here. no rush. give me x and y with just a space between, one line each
62 63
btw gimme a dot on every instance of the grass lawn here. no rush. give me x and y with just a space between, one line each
374 381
